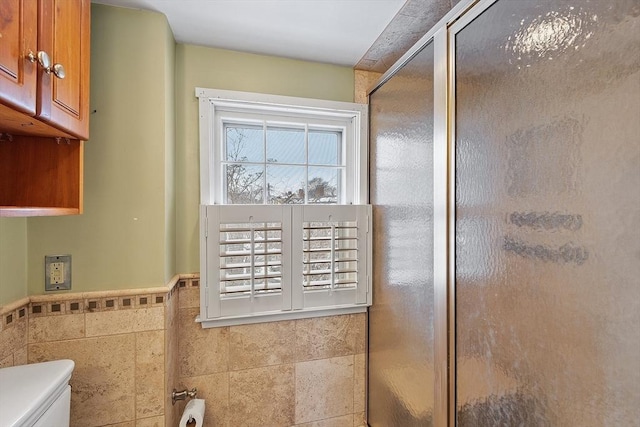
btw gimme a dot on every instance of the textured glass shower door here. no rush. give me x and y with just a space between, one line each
547 213
401 332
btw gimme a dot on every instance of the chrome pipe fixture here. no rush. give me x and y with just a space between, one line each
182 395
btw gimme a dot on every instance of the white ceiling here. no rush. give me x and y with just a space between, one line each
330 31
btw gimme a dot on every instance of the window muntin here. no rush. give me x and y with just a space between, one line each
282 164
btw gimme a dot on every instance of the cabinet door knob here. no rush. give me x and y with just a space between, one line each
58 71
41 58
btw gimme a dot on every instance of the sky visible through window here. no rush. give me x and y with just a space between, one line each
286 165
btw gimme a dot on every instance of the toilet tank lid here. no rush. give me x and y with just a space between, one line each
27 391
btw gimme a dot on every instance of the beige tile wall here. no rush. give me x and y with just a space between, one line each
118 345
308 372
117 341
14 333
172 416
132 349
363 82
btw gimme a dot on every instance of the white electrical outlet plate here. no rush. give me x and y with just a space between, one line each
57 272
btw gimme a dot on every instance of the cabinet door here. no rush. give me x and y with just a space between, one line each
64 33
18 20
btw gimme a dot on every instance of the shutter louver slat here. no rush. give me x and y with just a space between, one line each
330 255
250 260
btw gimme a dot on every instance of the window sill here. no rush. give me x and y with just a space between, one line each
281 315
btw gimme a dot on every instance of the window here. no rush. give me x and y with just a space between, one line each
284 229
277 163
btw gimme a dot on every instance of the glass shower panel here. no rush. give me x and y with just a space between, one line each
547 179
401 368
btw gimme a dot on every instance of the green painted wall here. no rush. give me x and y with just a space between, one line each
141 195
13 259
125 237
198 66
169 157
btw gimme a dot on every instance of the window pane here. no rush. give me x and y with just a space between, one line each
285 145
245 184
285 184
324 185
325 148
278 152
244 143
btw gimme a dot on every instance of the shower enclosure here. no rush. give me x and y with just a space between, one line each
505 179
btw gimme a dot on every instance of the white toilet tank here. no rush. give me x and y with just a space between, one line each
36 395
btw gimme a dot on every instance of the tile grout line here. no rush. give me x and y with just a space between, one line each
135 377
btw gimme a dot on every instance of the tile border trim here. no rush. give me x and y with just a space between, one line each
97 301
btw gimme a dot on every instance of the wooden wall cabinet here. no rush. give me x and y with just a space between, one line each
44 105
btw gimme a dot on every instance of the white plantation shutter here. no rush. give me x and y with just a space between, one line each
270 260
333 251
247 269
250 258
330 250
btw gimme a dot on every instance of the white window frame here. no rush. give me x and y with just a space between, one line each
217 107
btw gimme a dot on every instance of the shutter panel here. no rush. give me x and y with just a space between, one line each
334 249
251 272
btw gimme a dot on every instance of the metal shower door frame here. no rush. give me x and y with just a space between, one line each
442 35
448 139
